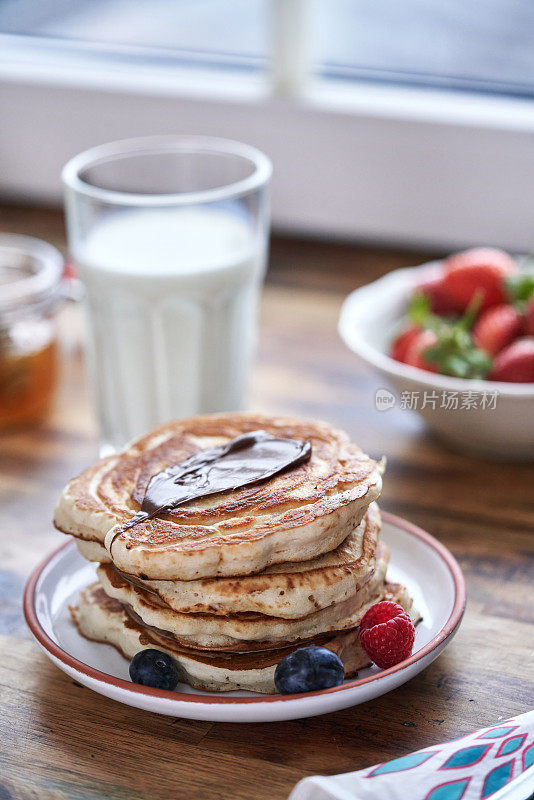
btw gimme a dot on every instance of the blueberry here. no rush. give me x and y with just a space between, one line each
307 670
154 668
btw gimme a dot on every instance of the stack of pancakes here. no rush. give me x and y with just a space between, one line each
231 583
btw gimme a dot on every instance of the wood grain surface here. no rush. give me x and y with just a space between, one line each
60 740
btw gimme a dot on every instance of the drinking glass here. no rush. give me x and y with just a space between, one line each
170 237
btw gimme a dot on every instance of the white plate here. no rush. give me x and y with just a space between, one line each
425 566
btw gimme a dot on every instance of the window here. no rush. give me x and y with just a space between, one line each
407 121
481 45
200 32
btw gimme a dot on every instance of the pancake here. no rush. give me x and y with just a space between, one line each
294 516
104 620
290 590
210 631
93 551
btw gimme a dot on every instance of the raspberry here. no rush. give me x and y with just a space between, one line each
387 634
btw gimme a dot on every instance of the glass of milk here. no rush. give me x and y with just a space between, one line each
170 236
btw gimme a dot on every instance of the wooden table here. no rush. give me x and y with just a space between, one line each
60 740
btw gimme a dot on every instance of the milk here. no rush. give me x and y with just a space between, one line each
171 296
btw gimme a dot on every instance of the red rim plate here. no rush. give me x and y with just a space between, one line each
449 627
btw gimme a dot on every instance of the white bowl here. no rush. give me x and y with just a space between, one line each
492 418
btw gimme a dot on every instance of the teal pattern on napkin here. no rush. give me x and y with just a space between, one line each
471 767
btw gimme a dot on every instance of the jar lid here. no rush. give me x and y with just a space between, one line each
30 276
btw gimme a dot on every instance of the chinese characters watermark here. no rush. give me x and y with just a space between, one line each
433 399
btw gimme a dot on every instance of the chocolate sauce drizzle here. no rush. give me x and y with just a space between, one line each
247 459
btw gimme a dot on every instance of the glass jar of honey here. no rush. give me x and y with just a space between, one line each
30 290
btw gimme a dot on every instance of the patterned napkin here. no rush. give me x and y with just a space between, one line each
472 767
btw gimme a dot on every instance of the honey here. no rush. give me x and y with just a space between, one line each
27 381
30 290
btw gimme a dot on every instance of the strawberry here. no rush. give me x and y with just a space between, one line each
496 327
515 364
415 354
482 269
402 342
529 317
451 351
432 288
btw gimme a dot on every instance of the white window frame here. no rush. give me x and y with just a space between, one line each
352 160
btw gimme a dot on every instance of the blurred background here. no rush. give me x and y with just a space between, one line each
404 123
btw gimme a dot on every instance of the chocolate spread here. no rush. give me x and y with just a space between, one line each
247 459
